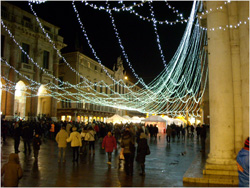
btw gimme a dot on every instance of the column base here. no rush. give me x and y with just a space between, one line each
221 170
220 161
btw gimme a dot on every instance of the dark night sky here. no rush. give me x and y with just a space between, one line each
137 36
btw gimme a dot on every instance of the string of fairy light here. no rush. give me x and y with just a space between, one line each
175 89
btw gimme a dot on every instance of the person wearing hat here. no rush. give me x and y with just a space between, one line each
243 165
128 150
142 152
61 139
76 142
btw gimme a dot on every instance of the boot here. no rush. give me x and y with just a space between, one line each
142 170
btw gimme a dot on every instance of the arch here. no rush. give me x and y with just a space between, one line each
44 101
20 100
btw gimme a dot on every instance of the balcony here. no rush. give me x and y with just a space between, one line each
27 24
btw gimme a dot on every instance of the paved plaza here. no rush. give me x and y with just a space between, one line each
165 166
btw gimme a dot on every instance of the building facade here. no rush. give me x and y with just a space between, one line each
80 109
18 71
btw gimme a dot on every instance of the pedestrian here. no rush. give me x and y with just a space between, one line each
183 132
155 131
142 151
178 130
36 145
128 147
243 165
109 143
52 131
96 128
68 128
192 131
61 139
27 135
203 137
12 171
90 137
16 135
169 133
198 131
76 142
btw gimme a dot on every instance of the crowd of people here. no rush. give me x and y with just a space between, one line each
82 137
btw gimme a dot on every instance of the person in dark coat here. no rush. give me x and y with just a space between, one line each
12 171
16 135
27 135
198 131
203 137
109 143
128 150
169 133
142 151
243 165
36 145
155 131
183 132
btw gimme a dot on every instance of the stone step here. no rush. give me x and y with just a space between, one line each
220 172
208 180
221 167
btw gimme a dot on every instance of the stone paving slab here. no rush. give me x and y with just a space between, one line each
165 166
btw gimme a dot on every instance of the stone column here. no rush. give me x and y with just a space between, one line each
53 100
34 99
10 100
243 9
235 54
220 88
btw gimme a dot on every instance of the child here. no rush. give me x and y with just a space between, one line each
36 145
12 171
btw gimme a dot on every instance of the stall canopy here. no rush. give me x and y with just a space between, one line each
169 120
116 119
136 119
159 121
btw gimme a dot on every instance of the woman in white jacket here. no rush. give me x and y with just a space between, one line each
76 142
90 136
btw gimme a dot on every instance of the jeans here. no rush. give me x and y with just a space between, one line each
63 150
129 163
75 151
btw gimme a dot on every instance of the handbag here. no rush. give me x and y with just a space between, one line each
121 156
147 150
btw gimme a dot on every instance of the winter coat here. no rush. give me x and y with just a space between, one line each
90 136
141 150
61 138
128 142
75 139
109 143
12 171
36 143
243 167
169 131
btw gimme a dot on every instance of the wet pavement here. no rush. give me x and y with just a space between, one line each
165 166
